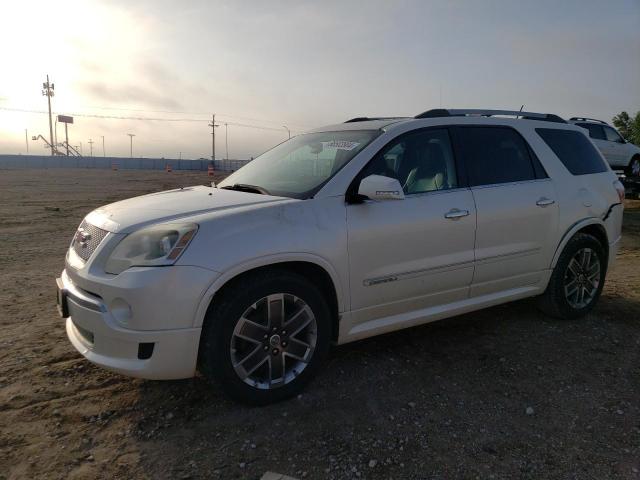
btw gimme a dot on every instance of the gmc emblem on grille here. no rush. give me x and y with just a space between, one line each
82 237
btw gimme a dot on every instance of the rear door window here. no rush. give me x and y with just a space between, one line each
494 155
574 150
595 131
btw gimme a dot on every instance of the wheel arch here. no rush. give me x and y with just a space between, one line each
313 267
591 226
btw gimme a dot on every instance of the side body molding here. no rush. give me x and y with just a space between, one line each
269 260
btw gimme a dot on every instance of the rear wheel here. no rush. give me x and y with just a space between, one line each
577 279
265 337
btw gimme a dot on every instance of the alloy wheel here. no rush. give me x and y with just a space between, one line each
582 278
273 341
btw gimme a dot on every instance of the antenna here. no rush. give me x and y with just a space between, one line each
520 111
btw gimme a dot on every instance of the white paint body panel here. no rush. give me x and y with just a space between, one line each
514 236
618 155
406 255
393 264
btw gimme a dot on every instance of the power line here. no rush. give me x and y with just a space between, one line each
177 112
300 128
152 119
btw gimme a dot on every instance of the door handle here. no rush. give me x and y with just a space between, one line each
544 202
456 213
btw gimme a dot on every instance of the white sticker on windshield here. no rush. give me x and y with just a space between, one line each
341 144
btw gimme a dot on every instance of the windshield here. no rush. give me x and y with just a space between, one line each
299 167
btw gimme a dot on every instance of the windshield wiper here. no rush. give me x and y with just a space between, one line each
243 187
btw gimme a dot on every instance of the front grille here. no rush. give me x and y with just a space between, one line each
87 239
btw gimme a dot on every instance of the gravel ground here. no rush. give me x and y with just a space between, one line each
504 393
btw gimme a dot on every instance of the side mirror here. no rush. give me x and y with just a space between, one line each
377 187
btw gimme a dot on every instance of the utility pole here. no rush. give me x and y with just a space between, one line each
226 139
26 139
131 135
47 91
91 148
103 152
213 137
288 131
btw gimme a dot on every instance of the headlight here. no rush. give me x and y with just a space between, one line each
149 247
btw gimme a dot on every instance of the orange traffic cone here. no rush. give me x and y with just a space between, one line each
210 170
168 168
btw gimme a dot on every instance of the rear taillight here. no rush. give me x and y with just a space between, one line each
620 189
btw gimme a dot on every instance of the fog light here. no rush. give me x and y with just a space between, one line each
121 311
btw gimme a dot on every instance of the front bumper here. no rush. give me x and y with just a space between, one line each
96 333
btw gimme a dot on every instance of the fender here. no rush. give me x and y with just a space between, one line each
580 224
267 260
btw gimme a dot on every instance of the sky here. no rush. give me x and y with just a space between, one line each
263 66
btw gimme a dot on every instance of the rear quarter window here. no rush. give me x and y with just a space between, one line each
574 150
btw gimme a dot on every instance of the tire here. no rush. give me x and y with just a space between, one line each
633 170
243 315
558 299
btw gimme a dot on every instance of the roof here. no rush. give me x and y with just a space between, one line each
378 123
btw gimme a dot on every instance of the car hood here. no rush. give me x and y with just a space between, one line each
172 205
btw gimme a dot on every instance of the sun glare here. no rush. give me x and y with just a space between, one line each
76 43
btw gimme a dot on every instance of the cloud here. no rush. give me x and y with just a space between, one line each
155 86
129 94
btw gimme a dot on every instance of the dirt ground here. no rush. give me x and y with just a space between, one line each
500 394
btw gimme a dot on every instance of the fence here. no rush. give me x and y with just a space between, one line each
47 161
229 165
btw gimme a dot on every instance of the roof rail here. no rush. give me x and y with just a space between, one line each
357 119
366 119
442 112
588 119
434 113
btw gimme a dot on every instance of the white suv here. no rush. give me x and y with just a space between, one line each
620 154
349 231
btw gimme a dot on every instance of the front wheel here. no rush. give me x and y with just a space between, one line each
265 337
577 279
